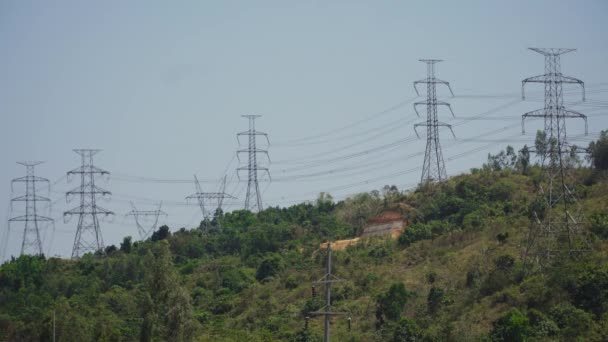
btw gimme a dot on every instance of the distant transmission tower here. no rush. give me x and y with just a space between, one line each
202 197
253 199
327 280
31 243
144 232
558 219
433 168
88 234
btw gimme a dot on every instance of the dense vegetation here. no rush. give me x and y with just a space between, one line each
455 275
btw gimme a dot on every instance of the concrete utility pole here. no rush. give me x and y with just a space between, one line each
325 311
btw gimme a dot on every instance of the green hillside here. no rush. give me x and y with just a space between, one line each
456 274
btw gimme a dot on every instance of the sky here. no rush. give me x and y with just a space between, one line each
160 88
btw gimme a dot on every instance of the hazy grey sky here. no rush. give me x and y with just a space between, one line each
160 87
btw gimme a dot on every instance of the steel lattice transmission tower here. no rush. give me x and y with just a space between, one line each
433 168
31 243
253 199
208 197
88 233
327 280
144 232
558 226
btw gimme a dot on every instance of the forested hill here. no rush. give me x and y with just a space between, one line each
456 274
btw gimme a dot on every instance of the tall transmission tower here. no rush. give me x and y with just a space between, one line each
253 199
433 168
144 232
558 229
31 243
208 197
88 233
327 280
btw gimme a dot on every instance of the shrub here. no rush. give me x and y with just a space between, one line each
573 322
434 299
514 326
390 304
269 267
407 331
599 225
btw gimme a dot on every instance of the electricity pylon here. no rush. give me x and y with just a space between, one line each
253 187
326 311
557 229
144 232
209 196
31 243
88 234
433 168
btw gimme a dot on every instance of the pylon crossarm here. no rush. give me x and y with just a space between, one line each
572 114
238 135
29 218
416 126
533 79
238 152
88 169
31 198
572 80
416 107
30 179
415 86
87 190
446 83
551 51
539 113
448 126
441 103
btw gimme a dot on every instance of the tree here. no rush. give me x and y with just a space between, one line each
407 331
504 160
598 152
168 310
126 244
434 299
390 304
512 327
523 160
161 234
270 266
